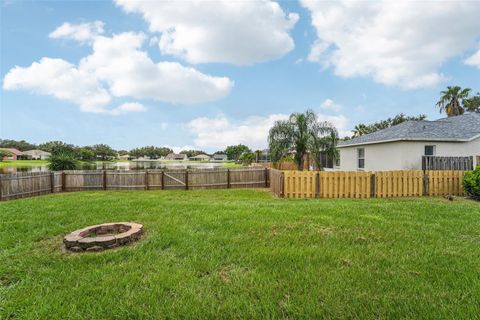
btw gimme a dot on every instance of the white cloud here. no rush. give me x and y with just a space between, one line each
83 33
62 80
329 104
221 132
236 32
129 72
128 107
117 67
400 43
474 60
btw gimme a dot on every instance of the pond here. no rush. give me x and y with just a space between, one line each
131 165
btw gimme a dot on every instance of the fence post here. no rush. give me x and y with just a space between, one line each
373 186
63 181
104 172
0 187
52 182
228 179
426 186
282 190
146 179
266 177
186 179
163 180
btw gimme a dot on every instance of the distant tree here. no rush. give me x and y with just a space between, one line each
452 100
151 152
122 152
21 145
55 147
472 104
301 133
62 161
323 140
192 153
234 152
247 158
362 129
136 153
86 153
103 151
4 153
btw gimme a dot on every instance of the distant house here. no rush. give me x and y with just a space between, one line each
220 157
403 146
263 156
37 154
15 153
124 157
176 156
200 157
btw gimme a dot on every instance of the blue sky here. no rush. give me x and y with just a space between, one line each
351 64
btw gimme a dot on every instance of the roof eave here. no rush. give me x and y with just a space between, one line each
408 139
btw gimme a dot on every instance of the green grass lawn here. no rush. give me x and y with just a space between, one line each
242 254
22 163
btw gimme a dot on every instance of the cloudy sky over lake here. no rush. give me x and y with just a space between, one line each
206 74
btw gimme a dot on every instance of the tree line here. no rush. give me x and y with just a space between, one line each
105 152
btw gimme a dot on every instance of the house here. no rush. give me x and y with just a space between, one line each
402 147
200 157
262 156
15 153
176 156
37 154
124 157
220 157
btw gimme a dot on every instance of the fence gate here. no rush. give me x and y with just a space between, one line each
173 179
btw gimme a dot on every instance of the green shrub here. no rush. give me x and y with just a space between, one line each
62 161
471 183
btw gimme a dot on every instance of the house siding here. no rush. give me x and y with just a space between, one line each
403 155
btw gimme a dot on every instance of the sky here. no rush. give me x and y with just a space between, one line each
207 74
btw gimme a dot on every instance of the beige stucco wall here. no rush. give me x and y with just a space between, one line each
404 155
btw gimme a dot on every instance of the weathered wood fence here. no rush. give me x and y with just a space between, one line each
381 184
447 163
19 185
288 184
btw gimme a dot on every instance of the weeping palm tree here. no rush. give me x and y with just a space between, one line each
452 99
323 140
301 133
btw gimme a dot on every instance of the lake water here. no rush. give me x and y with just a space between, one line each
133 165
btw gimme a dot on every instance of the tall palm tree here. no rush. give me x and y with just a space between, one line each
451 100
301 133
323 140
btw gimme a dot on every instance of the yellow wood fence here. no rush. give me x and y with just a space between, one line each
381 184
399 184
445 182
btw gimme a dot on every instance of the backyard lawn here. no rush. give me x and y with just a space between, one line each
242 254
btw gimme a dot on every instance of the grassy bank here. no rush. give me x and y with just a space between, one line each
22 163
242 254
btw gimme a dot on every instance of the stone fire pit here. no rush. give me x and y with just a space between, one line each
103 236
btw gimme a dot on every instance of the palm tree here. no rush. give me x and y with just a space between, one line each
301 133
473 104
451 100
323 140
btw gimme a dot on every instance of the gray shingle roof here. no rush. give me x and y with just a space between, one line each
459 128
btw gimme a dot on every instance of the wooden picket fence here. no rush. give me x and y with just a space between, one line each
382 184
398 184
445 182
20 185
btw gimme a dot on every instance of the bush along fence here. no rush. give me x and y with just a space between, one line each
382 184
27 184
